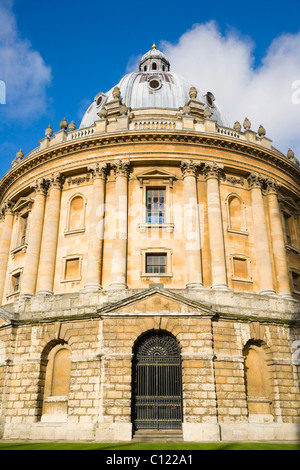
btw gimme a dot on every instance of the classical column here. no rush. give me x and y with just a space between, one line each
5 242
96 234
278 241
119 245
49 245
212 173
29 278
192 226
263 258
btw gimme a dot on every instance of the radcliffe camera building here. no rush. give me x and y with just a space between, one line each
150 273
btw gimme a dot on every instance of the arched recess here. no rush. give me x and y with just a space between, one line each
157 382
76 213
55 382
236 213
257 381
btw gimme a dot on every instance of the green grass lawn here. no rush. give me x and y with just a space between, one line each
184 446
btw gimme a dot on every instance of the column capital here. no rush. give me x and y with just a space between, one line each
99 170
189 168
40 186
56 180
121 168
255 180
7 208
213 170
271 186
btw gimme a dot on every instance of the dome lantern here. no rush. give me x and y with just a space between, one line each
154 60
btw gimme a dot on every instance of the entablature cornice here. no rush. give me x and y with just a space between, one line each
276 161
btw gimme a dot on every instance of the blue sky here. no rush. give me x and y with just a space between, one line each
56 56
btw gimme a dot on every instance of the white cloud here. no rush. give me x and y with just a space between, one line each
22 69
224 64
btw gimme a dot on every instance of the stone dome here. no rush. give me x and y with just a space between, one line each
153 86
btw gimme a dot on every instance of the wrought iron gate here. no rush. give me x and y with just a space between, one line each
157 383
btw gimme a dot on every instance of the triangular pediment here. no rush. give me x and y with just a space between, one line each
157 301
156 173
22 202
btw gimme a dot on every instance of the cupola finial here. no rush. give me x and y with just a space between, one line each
154 46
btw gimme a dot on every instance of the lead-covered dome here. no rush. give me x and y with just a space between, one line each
153 86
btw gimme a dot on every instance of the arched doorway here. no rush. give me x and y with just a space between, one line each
157 383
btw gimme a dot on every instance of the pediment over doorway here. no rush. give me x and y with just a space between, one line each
159 302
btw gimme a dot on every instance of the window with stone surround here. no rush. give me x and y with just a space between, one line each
15 283
157 198
71 268
156 262
156 205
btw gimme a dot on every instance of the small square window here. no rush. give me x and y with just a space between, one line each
156 263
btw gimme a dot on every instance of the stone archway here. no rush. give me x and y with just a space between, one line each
157 382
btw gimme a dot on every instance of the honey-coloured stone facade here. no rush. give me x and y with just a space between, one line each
90 262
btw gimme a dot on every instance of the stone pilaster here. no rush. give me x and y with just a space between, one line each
96 230
278 241
263 258
119 248
5 242
30 272
192 226
213 173
49 245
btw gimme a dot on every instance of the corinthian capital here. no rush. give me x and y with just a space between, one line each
99 170
7 208
121 168
271 186
56 180
255 180
213 170
40 186
189 168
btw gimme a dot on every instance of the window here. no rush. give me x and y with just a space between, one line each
16 281
156 263
288 228
22 230
296 282
155 206
154 66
